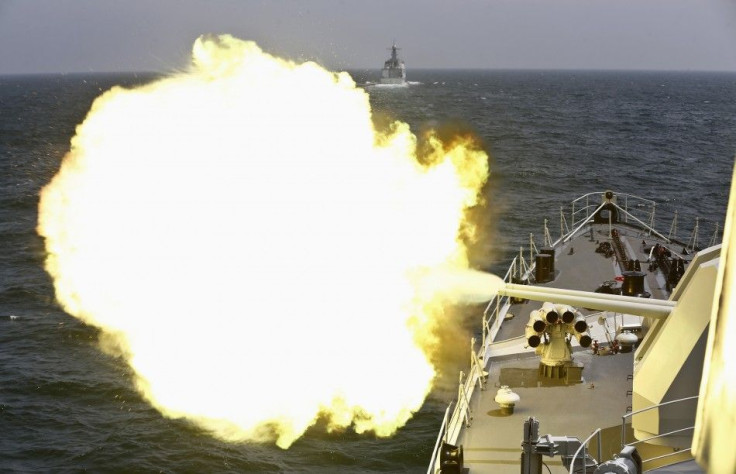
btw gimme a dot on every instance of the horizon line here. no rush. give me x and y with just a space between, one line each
377 71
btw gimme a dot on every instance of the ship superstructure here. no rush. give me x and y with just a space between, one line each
394 71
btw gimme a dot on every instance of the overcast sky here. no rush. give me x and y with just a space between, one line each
52 36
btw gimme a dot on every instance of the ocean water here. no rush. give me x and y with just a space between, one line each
552 135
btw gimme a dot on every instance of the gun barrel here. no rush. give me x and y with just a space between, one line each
658 309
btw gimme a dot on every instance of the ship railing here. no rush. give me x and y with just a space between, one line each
461 414
580 224
491 321
665 456
629 415
582 448
440 438
586 206
659 436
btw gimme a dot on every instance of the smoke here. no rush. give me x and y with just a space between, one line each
459 286
255 249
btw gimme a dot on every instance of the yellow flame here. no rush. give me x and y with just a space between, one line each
243 235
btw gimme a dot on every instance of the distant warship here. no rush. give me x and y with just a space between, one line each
393 71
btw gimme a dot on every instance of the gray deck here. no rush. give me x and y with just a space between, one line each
586 270
493 442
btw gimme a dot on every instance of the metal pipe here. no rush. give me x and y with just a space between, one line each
620 304
641 309
574 293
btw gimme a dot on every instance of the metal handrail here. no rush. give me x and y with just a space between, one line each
648 201
627 415
507 279
662 435
598 431
576 210
646 226
657 458
462 407
582 447
462 394
598 193
440 435
585 221
595 193
494 306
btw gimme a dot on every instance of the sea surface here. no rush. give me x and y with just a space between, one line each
65 406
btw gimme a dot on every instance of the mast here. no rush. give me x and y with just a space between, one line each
394 55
